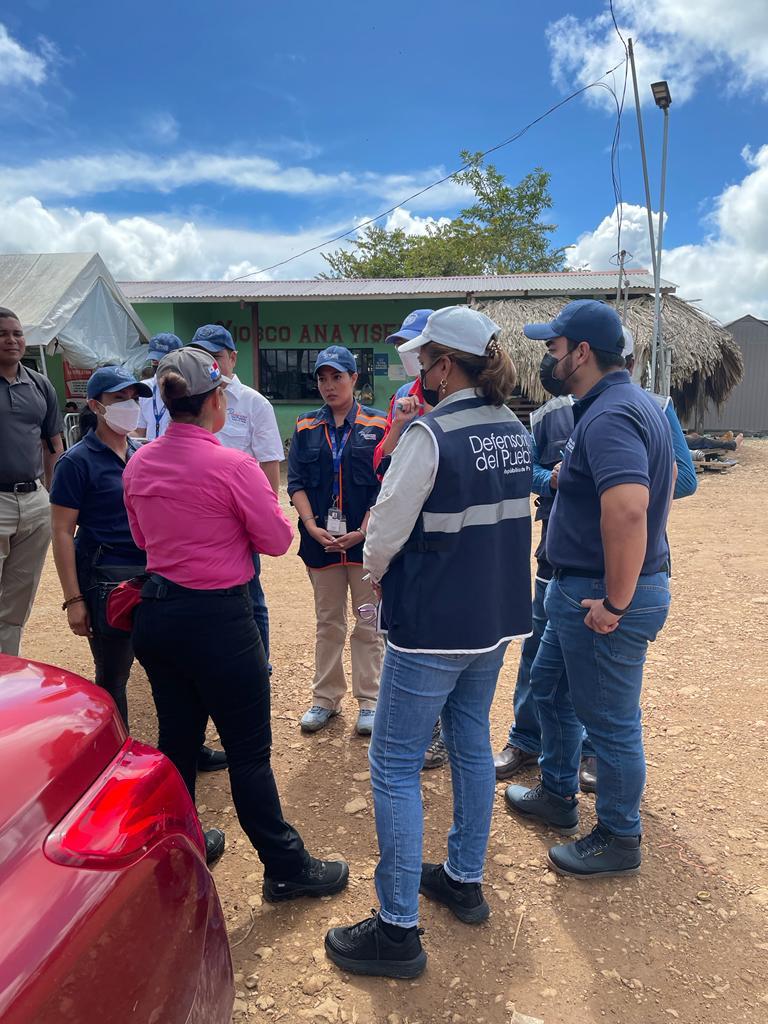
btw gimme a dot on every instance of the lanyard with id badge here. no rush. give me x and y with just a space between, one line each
335 521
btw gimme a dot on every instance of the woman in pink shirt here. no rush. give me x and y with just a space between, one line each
201 511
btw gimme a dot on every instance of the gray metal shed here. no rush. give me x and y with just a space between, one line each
746 408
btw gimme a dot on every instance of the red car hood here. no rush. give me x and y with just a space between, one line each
57 734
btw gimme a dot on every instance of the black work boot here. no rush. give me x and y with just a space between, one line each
558 812
316 878
214 844
374 947
601 854
465 899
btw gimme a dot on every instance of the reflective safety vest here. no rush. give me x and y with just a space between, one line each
461 583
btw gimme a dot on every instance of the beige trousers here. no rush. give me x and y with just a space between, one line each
366 646
25 533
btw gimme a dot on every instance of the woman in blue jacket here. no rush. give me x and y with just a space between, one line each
332 485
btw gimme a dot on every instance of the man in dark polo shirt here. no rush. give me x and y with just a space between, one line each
609 597
30 443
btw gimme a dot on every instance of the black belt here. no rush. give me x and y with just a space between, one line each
159 586
25 487
599 574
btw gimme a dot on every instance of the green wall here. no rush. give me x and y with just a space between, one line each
295 325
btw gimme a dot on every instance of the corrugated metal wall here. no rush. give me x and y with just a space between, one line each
747 407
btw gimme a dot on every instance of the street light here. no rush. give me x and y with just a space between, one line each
663 101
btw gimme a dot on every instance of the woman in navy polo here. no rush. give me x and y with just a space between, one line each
332 484
87 497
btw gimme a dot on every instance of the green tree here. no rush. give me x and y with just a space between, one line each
500 233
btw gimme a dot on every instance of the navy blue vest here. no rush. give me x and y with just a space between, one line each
462 582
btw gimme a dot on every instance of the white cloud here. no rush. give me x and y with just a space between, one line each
681 41
727 272
17 65
161 127
144 248
69 177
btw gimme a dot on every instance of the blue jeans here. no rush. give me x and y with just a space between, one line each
582 676
415 689
260 611
525 733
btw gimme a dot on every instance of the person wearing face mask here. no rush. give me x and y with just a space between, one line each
609 596
153 416
406 404
332 485
92 544
449 544
200 510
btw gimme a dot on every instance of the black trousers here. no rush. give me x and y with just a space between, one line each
113 657
204 656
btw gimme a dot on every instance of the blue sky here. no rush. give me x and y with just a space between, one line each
187 140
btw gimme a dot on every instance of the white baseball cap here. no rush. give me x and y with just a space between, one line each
457 327
629 342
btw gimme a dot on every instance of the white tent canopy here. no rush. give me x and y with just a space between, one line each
70 302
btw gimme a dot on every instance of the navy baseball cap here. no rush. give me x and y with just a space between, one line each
108 379
213 338
338 357
412 327
161 344
583 320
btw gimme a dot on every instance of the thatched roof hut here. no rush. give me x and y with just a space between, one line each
706 362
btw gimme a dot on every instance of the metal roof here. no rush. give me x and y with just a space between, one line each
576 282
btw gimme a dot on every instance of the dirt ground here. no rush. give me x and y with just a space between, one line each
683 941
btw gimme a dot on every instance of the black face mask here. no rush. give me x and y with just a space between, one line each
431 395
549 381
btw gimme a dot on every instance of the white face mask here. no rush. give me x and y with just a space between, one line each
410 361
122 417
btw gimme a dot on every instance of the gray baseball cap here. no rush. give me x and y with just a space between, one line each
198 368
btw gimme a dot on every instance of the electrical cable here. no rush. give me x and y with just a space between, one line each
493 149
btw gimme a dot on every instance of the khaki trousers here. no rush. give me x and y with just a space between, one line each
25 533
366 646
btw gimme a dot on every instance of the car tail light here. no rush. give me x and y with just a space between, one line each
139 800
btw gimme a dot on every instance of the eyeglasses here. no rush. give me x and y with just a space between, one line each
368 612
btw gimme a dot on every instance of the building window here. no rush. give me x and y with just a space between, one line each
285 374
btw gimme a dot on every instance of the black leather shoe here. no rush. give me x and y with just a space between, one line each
214 844
588 775
317 878
558 812
511 760
365 948
465 899
211 760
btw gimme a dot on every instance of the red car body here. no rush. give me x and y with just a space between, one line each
108 913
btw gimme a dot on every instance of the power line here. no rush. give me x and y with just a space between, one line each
493 149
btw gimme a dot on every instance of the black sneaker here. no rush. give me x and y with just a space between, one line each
365 948
214 844
209 760
601 854
465 899
437 752
560 813
318 878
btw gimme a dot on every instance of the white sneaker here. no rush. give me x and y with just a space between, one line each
316 718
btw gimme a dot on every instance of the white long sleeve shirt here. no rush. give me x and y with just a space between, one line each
406 486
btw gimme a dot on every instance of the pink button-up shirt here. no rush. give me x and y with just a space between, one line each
201 510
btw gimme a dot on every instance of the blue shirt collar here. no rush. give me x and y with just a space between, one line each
94 442
614 377
327 414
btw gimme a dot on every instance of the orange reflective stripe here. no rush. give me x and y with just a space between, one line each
310 425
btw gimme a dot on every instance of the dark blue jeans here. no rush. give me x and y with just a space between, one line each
260 611
582 676
525 733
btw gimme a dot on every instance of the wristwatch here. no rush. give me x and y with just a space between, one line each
613 609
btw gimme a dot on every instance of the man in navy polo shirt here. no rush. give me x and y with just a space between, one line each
609 597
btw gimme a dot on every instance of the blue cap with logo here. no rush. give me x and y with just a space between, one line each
161 344
412 327
108 379
213 338
338 357
583 320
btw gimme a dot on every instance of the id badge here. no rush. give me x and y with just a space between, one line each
336 523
